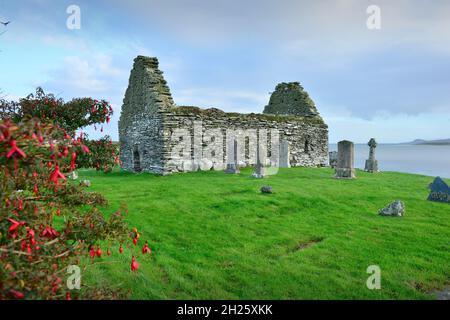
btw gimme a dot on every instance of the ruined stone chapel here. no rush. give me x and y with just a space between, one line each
158 136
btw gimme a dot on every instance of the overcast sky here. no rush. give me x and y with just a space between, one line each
392 84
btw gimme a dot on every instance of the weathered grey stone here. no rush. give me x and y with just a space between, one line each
333 159
346 160
439 191
85 183
73 175
284 154
395 209
260 171
232 163
371 163
290 98
266 189
150 124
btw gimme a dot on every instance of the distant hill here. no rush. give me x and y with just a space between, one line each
432 142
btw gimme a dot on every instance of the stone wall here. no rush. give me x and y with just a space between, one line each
140 124
158 136
307 137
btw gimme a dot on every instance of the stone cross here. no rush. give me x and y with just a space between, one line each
232 165
284 154
371 163
260 171
346 160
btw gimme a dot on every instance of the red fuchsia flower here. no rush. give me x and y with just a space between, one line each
36 190
31 235
135 241
146 249
108 252
56 284
34 136
99 252
134 264
72 163
108 119
86 149
17 294
68 297
20 208
92 252
49 232
56 175
66 151
121 249
41 139
58 212
15 150
14 224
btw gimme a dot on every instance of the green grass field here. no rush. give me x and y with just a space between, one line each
215 236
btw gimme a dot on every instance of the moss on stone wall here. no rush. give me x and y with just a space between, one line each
192 110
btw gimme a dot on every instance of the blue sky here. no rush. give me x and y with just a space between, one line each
392 84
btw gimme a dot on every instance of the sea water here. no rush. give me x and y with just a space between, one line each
431 160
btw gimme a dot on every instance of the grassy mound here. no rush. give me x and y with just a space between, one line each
215 236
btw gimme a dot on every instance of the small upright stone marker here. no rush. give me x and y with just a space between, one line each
232 165
333 155
284 154
260 171
439 191
371 163
346 160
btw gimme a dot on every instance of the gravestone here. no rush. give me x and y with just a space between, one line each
260 171
333 155
284 154
439 191
371 163
346 160
232 163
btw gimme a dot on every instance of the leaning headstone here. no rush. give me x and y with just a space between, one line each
260 171
346 160
439 191
284 154
333 155
232 165
395 209
85 183
266 189
371 163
